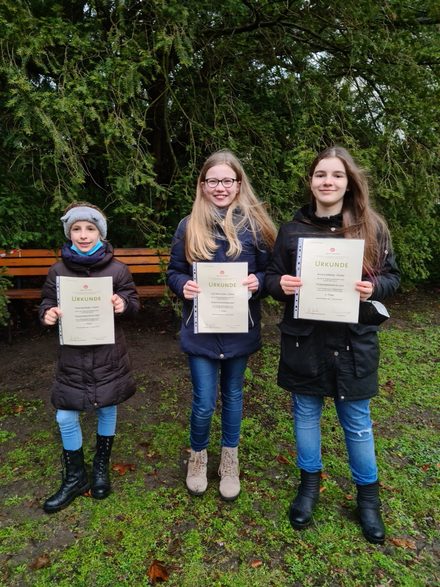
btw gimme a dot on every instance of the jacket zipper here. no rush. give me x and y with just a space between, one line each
250 318
189 317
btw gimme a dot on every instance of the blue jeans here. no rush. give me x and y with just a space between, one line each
71 435
354 417
205 374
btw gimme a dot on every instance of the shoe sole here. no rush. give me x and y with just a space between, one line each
233 498
100 495
195 493
372 540
296 526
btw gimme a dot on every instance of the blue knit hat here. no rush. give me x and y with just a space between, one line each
84 213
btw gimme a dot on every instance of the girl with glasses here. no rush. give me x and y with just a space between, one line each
227 224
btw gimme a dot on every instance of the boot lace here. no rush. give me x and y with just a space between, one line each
197 464
228 465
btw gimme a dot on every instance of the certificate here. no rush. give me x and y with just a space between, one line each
88 316
328 268
222 305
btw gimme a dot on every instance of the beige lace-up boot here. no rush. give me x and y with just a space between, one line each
229 472
196 480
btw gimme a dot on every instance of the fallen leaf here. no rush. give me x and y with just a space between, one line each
389 386
18 409
255 563
425 467
386 487
282 459
122 468
325 476
108 553
404 543
322 489
40 562
157 572
349 496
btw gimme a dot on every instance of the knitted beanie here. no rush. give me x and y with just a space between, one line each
84 213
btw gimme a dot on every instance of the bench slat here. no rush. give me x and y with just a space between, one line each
151 291
26 271
141 252
144 291
12 262
24 294
36 271
25 253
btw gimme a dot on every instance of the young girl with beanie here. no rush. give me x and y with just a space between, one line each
88 378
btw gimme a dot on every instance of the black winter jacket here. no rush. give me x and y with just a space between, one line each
325 358
89 377
218 346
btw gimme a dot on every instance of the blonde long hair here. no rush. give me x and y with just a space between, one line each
200 241
359 220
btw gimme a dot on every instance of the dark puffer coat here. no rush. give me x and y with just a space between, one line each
90 377
325 358
218 346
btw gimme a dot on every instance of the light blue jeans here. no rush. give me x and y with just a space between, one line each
70 428
354 417
205 375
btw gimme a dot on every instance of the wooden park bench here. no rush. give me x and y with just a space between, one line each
28 266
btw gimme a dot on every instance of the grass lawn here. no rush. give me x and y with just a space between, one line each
150 526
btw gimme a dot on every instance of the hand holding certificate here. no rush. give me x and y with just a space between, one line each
87 311
222 305
329 268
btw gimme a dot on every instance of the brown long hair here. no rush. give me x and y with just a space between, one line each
359 219
200 232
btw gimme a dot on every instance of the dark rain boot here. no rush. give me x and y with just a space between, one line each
370 518
301 509
75 481
101 474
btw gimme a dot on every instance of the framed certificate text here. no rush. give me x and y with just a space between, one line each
222 305
87 311
329 268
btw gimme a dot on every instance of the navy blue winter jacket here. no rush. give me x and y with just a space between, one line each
218 346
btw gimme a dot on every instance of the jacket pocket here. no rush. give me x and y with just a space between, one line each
365 347
301 350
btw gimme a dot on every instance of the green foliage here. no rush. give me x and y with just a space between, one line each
120 102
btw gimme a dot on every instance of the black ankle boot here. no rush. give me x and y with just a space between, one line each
368 503
101 474
75 481
300 513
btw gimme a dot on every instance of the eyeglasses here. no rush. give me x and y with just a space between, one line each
227 182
